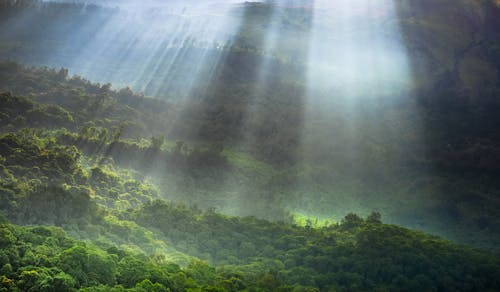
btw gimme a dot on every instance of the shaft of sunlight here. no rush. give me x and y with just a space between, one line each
357 62
154 46
356 49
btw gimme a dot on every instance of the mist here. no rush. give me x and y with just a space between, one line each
231 145
315 108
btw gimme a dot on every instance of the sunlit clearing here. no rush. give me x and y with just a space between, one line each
312 221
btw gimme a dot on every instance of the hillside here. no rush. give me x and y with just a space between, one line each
94 184
249 146
126 129
128 239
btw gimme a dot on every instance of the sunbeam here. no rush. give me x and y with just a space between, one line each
357 49
232 145
358 73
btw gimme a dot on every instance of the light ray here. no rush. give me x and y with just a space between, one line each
356 48
357 68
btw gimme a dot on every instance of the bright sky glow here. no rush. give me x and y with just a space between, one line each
356 48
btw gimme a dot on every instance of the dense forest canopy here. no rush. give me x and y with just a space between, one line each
249 146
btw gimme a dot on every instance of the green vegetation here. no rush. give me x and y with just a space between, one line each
249 254
139 241
442 189
104 189
46 259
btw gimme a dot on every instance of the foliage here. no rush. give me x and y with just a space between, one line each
272 257
46 259
333 178
248 253
89 169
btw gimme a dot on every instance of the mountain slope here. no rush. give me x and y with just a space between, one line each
270 127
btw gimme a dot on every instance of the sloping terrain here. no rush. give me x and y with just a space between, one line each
95 185
241 166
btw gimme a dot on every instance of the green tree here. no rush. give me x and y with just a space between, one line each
157 142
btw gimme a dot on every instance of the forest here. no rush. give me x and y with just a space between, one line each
249 146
